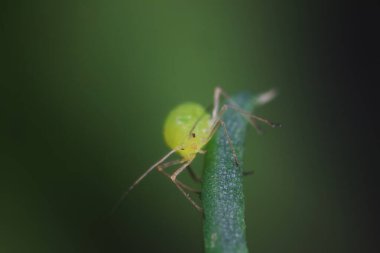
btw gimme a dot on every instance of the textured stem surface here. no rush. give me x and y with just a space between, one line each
222 189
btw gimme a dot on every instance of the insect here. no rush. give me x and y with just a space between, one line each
188 128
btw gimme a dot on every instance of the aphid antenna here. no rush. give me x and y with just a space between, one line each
262 99
141 178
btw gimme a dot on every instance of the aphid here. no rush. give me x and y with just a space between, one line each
188 128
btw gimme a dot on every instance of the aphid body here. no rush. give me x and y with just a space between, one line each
189 127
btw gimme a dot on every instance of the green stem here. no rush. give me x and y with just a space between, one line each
222 189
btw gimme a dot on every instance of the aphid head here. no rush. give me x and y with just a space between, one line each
187 126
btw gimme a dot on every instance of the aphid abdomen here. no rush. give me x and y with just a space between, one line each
187 125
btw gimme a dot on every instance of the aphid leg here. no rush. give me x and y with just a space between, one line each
188 188
262 99
253 117
200 209
230 143
141 178
161 168
193 175
248 173
213 130
180 169
173 177
256 126
217 120
217 93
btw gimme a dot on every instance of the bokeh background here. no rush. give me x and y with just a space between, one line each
86 86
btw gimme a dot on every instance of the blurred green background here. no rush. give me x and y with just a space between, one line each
86 86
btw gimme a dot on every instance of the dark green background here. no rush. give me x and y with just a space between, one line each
86 86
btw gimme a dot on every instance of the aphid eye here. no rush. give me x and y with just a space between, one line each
193 134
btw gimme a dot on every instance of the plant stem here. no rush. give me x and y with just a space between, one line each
222 188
